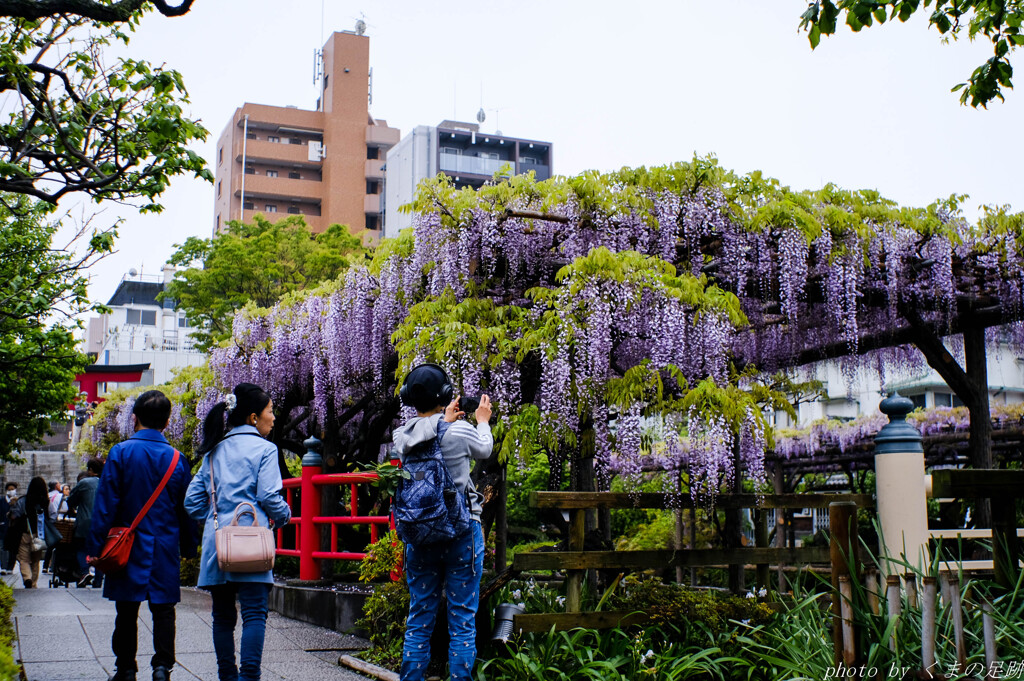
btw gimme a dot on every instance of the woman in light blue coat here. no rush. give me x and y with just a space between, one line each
244 467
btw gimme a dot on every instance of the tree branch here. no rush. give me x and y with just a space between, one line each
91 9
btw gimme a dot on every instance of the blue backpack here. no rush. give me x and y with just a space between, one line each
429 509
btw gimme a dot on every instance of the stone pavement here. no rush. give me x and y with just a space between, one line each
65 634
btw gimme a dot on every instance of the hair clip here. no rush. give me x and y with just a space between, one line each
231 401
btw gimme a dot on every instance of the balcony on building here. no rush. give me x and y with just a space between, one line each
382 136
467 151
473 165
375 168
279 187
371 204
315 222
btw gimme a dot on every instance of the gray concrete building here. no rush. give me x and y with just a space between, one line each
461 151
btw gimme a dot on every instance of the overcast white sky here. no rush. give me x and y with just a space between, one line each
609 84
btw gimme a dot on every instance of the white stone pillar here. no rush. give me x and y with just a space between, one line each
900 489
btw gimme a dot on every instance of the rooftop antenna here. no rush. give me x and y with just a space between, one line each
481 116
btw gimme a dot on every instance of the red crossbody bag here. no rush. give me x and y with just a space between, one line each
118 548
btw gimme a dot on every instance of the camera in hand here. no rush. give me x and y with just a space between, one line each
469 403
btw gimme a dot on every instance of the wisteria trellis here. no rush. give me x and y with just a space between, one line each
593 305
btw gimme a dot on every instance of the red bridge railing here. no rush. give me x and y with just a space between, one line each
309 518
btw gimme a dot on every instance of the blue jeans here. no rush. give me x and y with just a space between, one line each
252 597
457 568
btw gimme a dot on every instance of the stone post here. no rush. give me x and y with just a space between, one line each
900 488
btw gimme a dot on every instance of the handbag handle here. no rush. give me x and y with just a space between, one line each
239 512
213 487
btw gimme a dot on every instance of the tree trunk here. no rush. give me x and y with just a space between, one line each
971 387
733 527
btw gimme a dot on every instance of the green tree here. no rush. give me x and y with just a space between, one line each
43 289
254 263
74 123
997 21
78 123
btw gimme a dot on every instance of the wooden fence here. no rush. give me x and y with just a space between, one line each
575 561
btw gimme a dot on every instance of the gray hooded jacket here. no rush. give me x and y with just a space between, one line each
460 445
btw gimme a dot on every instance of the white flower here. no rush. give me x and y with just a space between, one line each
560 600
762 592
750 594
231 401
648 655
517 594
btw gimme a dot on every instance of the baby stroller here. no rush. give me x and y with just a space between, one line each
64 562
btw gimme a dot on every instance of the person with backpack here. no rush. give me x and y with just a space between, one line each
437 510
239 471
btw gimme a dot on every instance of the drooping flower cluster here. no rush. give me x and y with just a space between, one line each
582 295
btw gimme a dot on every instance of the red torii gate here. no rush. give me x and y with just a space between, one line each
94 374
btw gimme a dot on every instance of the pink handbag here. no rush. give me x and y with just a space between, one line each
244 548
241 548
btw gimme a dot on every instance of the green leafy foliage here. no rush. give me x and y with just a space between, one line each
9 669
79 124
387 608
383 558
997 22
674 603
526 475
384 618
41 291
797 640
254 264
665 653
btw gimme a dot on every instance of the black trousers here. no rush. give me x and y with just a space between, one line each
125 640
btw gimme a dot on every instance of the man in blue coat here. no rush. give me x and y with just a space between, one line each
132 472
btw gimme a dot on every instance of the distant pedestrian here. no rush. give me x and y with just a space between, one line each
56 498
81 503
5 510
11 540
30 521
244 466
133 471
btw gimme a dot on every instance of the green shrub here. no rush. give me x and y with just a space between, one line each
382 558
190 570
657 533
286 567
523 478
672 603
615 655
9 669
384 618
387 608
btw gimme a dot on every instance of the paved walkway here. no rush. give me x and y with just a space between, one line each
65 634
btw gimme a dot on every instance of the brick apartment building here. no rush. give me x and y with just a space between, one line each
326 164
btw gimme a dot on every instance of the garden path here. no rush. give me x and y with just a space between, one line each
64 633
